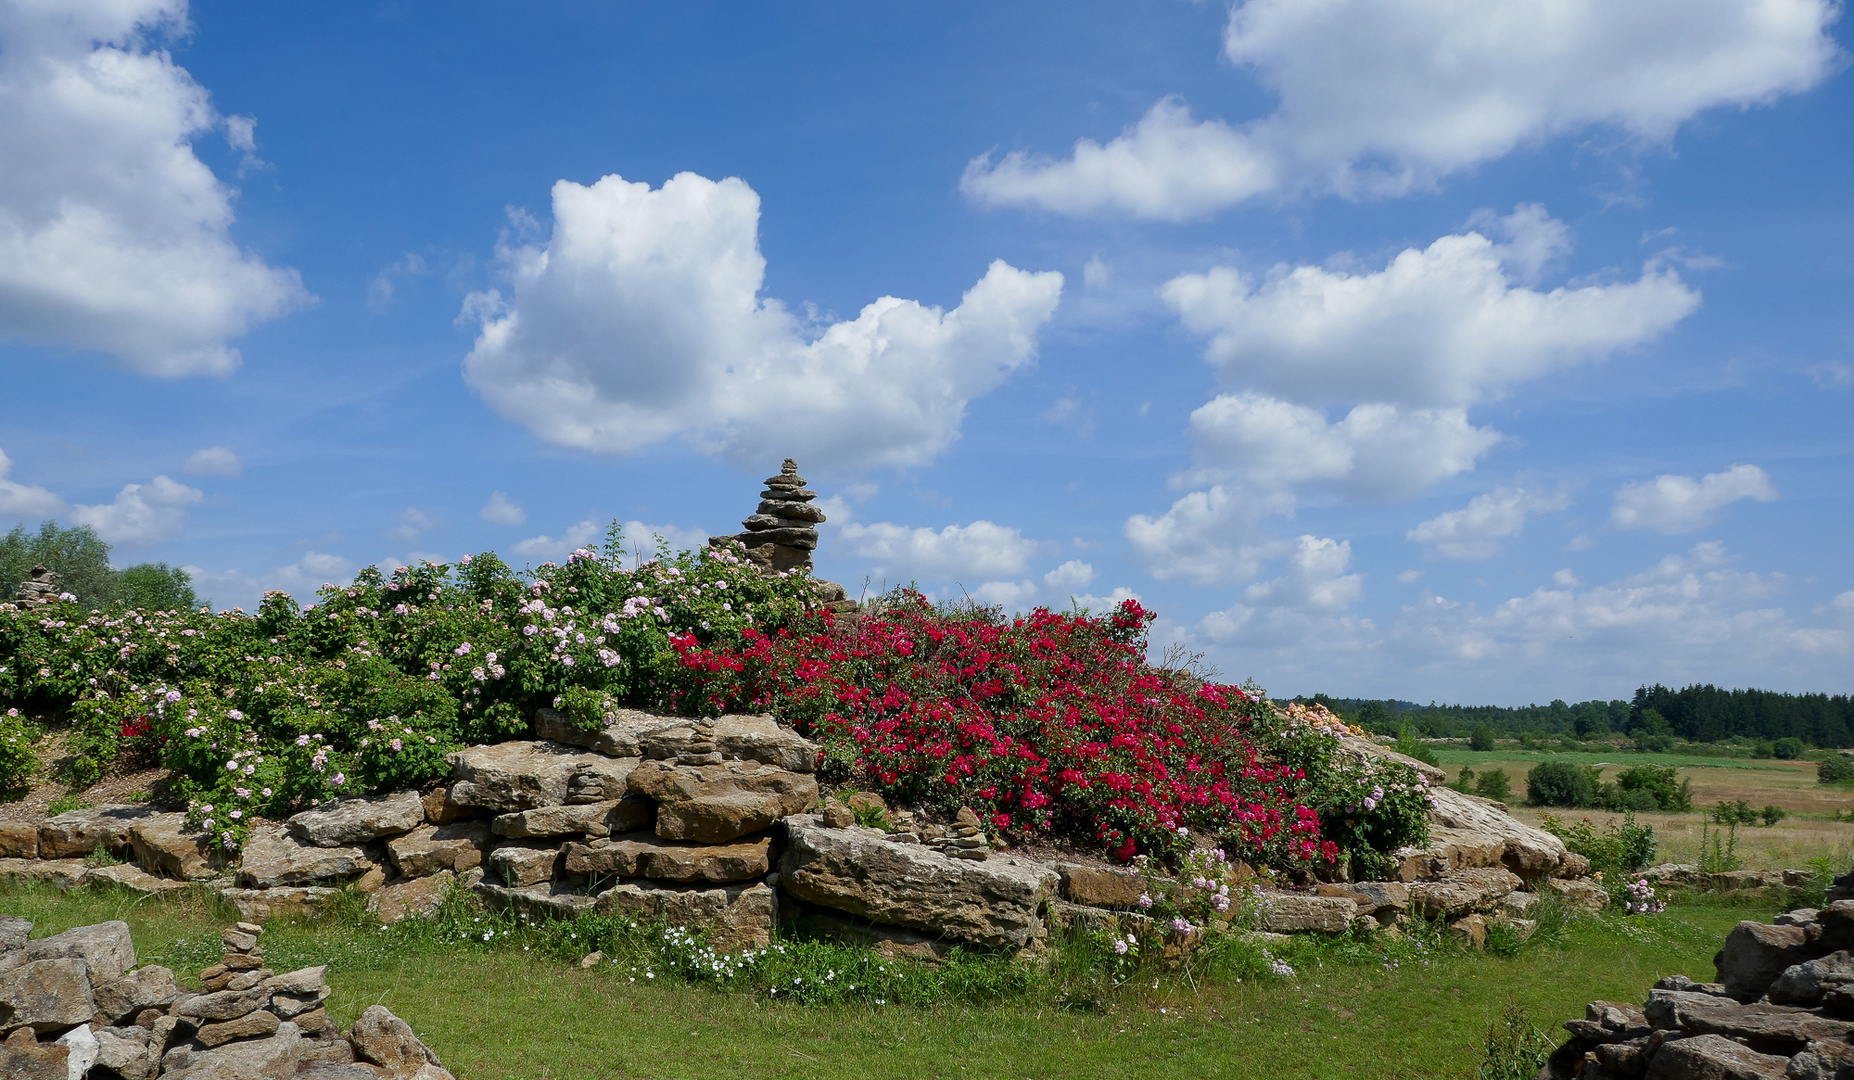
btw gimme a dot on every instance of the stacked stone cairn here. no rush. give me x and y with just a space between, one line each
39 588
783 532
1782 1007
963 839
76 1006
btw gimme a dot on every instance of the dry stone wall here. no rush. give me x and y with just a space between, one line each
76 1006
717 823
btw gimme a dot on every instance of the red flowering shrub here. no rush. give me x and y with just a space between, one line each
1047 724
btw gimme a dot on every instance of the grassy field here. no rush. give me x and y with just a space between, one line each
1810 831
511 1010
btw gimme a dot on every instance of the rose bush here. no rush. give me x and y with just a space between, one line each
1050 725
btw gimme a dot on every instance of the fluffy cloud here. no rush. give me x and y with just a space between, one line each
113 235
214 461
640 320
1207 537
1073 574
234 588
412 522
1376 451
1381 98
1475 530
19 500
500 511
1677 504
141 513
1443 327
547 547
1298 618
981 550
641 539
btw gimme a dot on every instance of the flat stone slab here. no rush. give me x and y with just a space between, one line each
135 879
513 776
587 819
647 857
552 899
1286 913
996 902
59 873
713 804
430 849
356 821
163 844
687 740
735 917
77 833
272 857
262 905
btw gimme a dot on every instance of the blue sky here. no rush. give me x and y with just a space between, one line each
1487 352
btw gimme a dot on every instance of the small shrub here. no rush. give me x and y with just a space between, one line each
1481 738
1513 1047
1789 748
1834 768
1561 783
1618 849
1494 784
18 758
1410 746
1659 783
1770 815
1733 812
1464 780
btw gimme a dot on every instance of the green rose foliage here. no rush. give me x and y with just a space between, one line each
18 758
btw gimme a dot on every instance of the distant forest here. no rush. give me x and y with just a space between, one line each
1698 713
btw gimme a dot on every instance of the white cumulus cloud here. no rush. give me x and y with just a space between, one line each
1074 574
641 538
214 461
1475 530
19 500
640 320
1381 97
141 513
1676 504
500 511
981 550
1443 327
114 236
233 588
577 536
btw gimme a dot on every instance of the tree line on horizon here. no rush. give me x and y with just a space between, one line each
1656 715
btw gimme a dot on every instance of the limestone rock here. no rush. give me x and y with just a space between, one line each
105 948
1822 1061
418 897
431 849
1382 900
19 840
898 942
13 933
356 821
1468 832
261 905
163 845
996 902
736 917
549 899
36 1062
587 819
522 864
151 987
46 995
1100 886
126 1052
221 1005
683 739
1284 912
1579 893
273 857
251 1059
136 880
713 804
1470 930
1805 983
645 856
1712 1057
81 1048
1755 954
1461 892
251 1025
76 833
382 1039
64 874
513 776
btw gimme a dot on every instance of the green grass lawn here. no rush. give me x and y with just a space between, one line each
505 1012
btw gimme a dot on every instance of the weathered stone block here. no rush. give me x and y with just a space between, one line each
262 905
273 858
1100 886
513 776
164 845
1461 892
1286 913
76 833
430 849
46 995
520 864
417 897
645 856
1755 954
736 917
106 948
713 804
356 821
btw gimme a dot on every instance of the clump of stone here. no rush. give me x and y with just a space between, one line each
39 589
75 1005
782 532
1781 1005
964 839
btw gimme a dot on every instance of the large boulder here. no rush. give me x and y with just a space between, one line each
105 948
513 776
431 849
163 844
713 804
997 901
1100 886
270 1058
1713 1057
383 1040
76 833
586 819
1467 832
273 858
151 987
645 856
356 821
736 917
1755 954
291 901
686 740
46 995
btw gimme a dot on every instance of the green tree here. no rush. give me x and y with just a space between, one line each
1494 784
155 587
1789 748
1481 738
1373 716
77 555
1561 783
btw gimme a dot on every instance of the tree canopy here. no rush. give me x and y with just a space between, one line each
81 559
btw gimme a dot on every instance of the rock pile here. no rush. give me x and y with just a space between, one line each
39 588
1782 1006
783 532
75 1005
964 839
